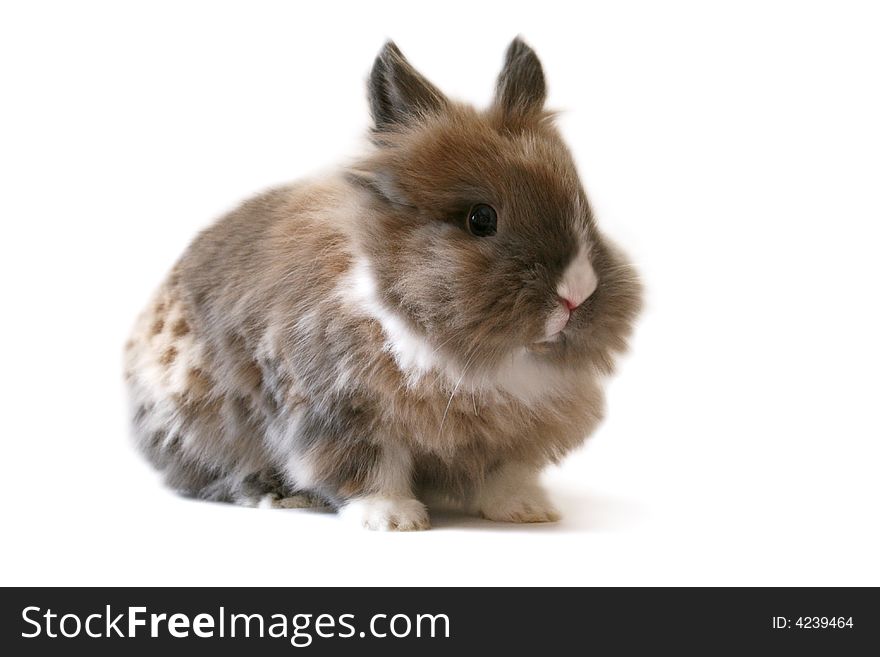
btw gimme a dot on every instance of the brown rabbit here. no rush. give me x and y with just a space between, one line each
433 321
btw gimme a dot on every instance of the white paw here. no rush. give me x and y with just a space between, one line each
523 506
387 513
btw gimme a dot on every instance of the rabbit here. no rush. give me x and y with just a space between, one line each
432 322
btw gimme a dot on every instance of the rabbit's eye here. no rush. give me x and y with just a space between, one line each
482 220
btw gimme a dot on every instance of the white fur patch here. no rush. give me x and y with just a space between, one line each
383 513
413 354
266 502
522 375
579 279
282 439
300 471
577 284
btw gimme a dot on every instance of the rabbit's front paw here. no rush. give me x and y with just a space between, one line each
530 505
387 513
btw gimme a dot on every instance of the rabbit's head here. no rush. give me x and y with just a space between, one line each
480 236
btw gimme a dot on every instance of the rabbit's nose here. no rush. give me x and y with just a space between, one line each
568 303
578 282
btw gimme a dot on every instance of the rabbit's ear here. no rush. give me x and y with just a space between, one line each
521 90
398 93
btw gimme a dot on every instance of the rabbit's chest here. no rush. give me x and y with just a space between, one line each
485 426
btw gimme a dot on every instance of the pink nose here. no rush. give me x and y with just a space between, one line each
569 304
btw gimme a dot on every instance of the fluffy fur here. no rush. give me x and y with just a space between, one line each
349 341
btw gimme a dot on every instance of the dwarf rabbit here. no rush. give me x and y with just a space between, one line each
431 321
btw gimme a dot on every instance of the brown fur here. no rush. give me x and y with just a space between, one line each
282 364
180 328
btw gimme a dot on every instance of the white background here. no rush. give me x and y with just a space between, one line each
733 148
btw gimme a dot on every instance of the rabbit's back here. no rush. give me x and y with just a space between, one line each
202 355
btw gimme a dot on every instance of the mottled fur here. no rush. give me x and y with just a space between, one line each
348 339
